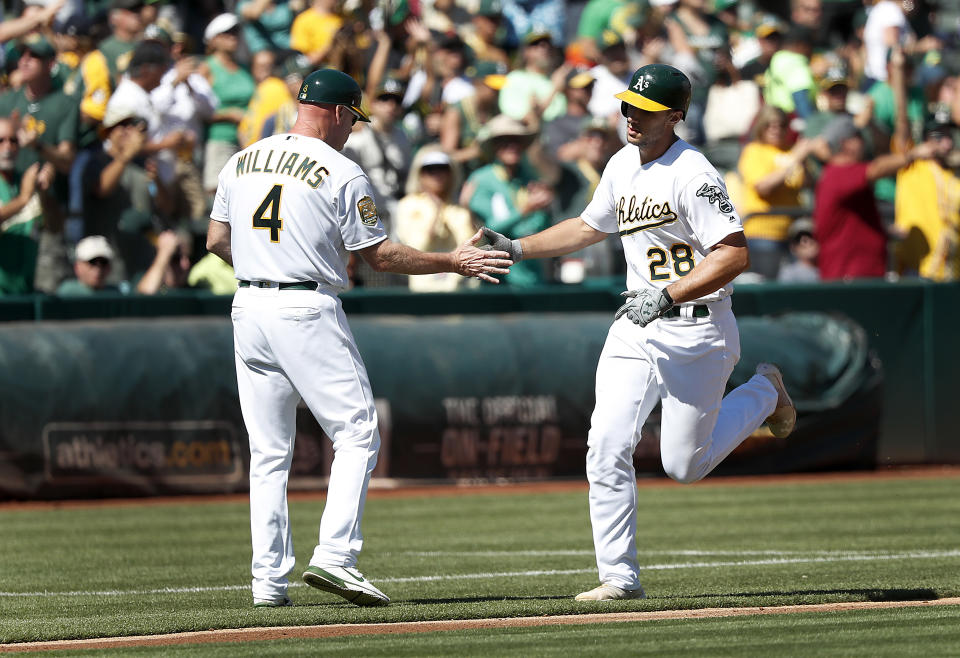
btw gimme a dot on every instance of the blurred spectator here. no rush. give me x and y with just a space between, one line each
92 263
266 24
789 81
525 16
772 175
443 16
382 149
25 205
594 19
233 88
165 135
528 94
270 95
807 14
440 83
313 30
804 250
611 74
886 27
115 183
769 35
563 138
578 182
899 70
928 212
185 101
723 127
213 274
695 37
463 121
295 66
28 21
48 118
485 35
508 194
428 219
86 78
170 268
126 26
853 240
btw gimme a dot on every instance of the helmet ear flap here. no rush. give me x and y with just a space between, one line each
623 108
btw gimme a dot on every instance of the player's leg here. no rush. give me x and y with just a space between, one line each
700 427
626 392
325 366
268 402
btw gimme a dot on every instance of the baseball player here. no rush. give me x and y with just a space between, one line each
288 209
675 339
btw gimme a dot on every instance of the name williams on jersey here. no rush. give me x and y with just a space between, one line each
289 164
647 214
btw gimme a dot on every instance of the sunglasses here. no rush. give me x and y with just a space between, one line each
353 113
12 140
99 261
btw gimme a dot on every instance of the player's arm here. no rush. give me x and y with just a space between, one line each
726 260
218 240
566 237
467 260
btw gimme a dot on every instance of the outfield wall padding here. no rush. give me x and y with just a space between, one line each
130 407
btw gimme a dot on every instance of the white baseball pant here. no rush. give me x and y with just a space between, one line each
683 362
291 344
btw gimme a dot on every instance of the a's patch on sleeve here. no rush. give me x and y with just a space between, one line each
368 211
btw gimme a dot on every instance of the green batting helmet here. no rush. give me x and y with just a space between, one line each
657 87
334 88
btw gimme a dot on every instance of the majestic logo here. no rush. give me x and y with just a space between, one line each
368 211
649 213
716 194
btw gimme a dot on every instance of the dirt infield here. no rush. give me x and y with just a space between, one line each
407 489
341 630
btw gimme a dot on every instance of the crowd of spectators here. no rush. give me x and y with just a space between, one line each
832 121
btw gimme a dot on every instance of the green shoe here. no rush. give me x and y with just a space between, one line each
346 582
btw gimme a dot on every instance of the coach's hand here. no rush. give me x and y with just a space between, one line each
644 306
470 260
503 243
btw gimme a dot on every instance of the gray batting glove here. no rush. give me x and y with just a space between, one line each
500 242
643 306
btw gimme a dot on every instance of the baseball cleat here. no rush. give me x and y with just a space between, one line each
784 417
272 603
346 582
610 593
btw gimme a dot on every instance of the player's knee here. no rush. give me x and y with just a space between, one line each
684 471
603 463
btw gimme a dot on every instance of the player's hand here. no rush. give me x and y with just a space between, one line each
502 243
643 306
471 260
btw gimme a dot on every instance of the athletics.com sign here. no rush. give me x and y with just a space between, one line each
191 453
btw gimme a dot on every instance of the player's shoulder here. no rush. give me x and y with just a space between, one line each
687 157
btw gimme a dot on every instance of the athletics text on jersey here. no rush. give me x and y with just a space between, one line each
668 222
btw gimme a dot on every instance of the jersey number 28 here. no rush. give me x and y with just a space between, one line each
271 202
681 255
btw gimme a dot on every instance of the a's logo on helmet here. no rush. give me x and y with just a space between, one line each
368 211
642 84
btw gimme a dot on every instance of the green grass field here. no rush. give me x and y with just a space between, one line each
97 572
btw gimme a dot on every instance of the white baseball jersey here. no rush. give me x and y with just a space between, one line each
295 207
669 213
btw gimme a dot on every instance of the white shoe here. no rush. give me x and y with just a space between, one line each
610 593
346 582
782 421
273 603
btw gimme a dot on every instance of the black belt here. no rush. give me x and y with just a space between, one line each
699 311
296 285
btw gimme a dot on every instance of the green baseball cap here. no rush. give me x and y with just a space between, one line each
38 46
657 87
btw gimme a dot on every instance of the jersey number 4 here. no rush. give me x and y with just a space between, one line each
271 202
681 255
